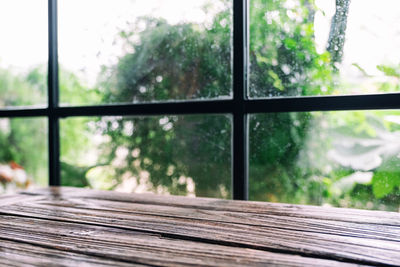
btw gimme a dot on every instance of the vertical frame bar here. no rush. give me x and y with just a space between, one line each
52 83
240 129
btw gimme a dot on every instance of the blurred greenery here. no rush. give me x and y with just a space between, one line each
346 159
24 140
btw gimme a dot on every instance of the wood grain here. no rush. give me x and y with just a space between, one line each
7 200
303 241
136 247
187 231
279 209
22 254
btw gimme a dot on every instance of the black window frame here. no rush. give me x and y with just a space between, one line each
240 106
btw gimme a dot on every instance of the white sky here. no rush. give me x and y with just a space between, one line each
23 33
89 26
96 23
86 27
372 36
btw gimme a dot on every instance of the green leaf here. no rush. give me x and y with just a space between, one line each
388 71
277 81
383 183
362 70
347 183
290 43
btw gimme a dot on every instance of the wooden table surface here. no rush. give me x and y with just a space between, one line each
75 227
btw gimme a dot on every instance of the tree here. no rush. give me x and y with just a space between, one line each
337 32
184 61
190 61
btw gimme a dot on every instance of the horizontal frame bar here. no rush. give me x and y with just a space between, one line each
29 112
289 104
324 103
191 107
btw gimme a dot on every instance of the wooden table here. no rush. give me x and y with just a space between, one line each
70 226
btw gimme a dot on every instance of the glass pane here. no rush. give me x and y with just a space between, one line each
341 158
183 155
324 47
23 154
23 53
142 51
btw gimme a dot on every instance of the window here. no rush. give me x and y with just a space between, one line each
289 101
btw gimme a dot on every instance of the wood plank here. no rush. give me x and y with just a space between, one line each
116 245
345 241
372 231
259 208
6 200
22 254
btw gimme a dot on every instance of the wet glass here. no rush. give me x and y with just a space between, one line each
182 155
323 47
144 51
341 158
23 154
23 53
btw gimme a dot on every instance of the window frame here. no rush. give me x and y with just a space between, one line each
240 106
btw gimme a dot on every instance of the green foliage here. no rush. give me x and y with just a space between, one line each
393 73
359 164
170 147
183 61
188 61
177 62
24 141
22 90
384 183
74 175
389 71
283 56
74 92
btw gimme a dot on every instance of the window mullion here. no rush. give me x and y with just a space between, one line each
240 129
54 134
